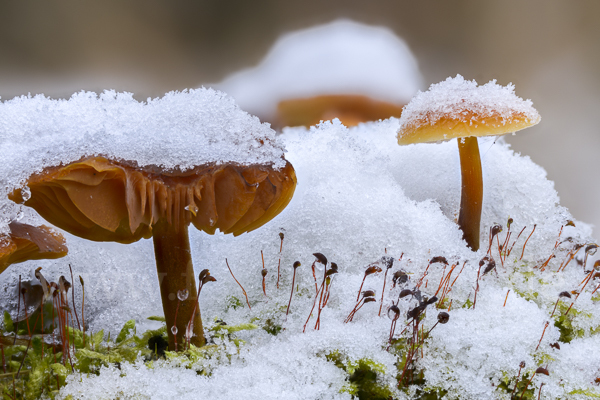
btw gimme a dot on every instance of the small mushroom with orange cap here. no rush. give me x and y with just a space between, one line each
457 108
26 242
107 200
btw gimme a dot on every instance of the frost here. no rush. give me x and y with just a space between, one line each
341 57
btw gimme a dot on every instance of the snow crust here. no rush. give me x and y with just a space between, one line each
341 57
180 130
458 99
360 196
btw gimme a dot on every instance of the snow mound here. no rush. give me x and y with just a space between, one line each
360 196
180 130
341 57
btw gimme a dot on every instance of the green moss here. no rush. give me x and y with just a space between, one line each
233 302
271 327
364 381
507 385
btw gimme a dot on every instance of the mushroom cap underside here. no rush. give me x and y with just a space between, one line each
27 242
350 109
426 129
105 200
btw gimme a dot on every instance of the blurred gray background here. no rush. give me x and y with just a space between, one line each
549 49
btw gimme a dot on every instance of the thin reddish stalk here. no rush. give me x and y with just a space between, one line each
42 313
554 309
506 298
73 296
477 287
318 323
231 272
18 311
586 280
570 257
516 382
513 245
525 244
175 323
545 326
279 263
264 274
26 316
526 386
354 310
382 291
82 315
290 302
361 286
315 277
446 289
311 310
392 330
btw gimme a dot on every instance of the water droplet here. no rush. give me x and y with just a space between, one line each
393 312
174 330
182 295
591 249
26 193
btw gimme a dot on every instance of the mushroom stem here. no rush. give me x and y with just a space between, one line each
471 197
176 272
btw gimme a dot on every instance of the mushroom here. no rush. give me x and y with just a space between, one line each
344 69
102 199
456 108
27 242
350 109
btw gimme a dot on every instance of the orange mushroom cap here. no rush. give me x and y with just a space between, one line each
350 109
106 200
27 242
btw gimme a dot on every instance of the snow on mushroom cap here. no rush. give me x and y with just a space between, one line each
464 102
178 131
341 57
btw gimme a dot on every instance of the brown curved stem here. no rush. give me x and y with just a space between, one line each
176 272
471 197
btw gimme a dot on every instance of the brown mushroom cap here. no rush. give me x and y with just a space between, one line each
26 242
105 200
350 109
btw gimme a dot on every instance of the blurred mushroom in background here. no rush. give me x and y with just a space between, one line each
343 69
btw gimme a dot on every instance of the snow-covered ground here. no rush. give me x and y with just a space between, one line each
360 196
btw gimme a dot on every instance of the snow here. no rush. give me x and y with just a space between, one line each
340 57
181 129
360 196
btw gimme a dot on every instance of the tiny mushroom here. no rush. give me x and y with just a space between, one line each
26 242
457 108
